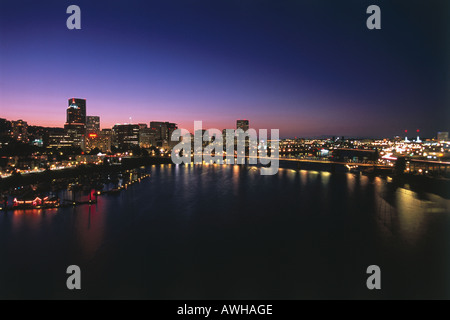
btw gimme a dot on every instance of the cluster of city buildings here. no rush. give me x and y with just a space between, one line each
82 132
360 150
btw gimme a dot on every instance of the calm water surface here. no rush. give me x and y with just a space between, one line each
226 232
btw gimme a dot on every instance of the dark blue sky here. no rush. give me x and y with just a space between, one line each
306 67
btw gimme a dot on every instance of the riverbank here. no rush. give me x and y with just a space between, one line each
19 180
58 179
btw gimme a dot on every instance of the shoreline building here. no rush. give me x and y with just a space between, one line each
163 132
126 136
147 136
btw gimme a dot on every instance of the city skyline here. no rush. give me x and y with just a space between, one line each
405 133
309 69
215 152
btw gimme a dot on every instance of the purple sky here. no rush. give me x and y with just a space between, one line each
308 68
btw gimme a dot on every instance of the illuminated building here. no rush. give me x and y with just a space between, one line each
60 140
19 130
76 112
147 136
126 136
406 137
100 140
163 132
37 143
92 124
75 125
418 138
76 132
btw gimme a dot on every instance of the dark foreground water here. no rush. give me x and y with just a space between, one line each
226 232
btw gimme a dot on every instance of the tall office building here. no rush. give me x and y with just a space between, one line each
126 136
100 140
92 124
75 125
163 132
242 124
76 112
147 136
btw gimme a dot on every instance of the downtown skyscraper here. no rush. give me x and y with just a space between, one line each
75 125
76 111
92 124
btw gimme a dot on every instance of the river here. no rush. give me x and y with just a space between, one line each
227 232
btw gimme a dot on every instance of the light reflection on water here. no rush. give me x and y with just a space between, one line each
228 232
